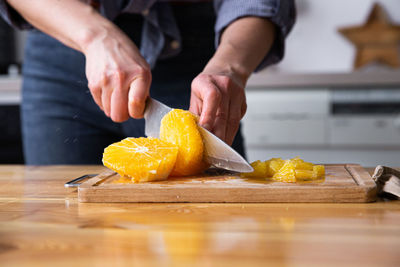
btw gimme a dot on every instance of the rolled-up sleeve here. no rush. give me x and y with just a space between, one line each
12 17
280 12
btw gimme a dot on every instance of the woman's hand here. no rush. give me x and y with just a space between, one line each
118 76
218 94
220 100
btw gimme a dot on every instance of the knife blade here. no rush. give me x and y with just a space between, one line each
217 152
153 113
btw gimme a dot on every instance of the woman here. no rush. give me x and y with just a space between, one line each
86 85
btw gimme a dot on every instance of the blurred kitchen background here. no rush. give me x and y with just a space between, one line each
314 104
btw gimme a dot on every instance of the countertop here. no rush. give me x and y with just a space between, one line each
43 224
10 86
357 79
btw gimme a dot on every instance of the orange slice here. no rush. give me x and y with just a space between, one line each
179 127
142 159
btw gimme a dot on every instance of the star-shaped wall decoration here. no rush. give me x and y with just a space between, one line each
377 40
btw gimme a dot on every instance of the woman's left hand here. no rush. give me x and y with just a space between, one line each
220 101
218 95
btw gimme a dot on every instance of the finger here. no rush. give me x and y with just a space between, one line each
96 94
211 100
235 110
138 93
244 108
221 119
119 97
106 100
195 104
119 105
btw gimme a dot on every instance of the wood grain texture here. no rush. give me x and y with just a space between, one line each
43 224
343 183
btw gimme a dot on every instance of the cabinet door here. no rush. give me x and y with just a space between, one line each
286 117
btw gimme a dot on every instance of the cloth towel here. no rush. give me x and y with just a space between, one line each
387 181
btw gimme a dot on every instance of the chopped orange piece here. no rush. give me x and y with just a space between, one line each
304 174
301 164
288 171
274 165
179 127
260 170
142 159
319 171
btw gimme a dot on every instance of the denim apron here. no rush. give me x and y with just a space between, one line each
61 123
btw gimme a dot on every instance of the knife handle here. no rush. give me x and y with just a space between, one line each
77 181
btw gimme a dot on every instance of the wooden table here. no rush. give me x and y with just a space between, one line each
42 223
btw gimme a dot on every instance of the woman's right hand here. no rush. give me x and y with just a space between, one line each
118 76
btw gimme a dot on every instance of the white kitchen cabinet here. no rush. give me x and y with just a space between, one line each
286 117
326 125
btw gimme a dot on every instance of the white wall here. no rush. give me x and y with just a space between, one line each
315 45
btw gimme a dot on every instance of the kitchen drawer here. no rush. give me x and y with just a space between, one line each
286 101
286 117
287 132
365 130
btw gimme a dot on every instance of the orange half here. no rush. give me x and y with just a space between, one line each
142 159
179 127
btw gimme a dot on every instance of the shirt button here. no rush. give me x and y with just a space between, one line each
145 12
175 44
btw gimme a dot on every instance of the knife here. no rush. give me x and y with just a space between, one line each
217 152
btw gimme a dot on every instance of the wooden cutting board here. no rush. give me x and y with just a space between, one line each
343 183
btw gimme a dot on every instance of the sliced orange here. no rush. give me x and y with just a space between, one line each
264 169
142 159
301 164
288 171
260 170
318 171
179 127
304 174
274 165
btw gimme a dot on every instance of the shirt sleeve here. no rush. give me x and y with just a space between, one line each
12 17
280 12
